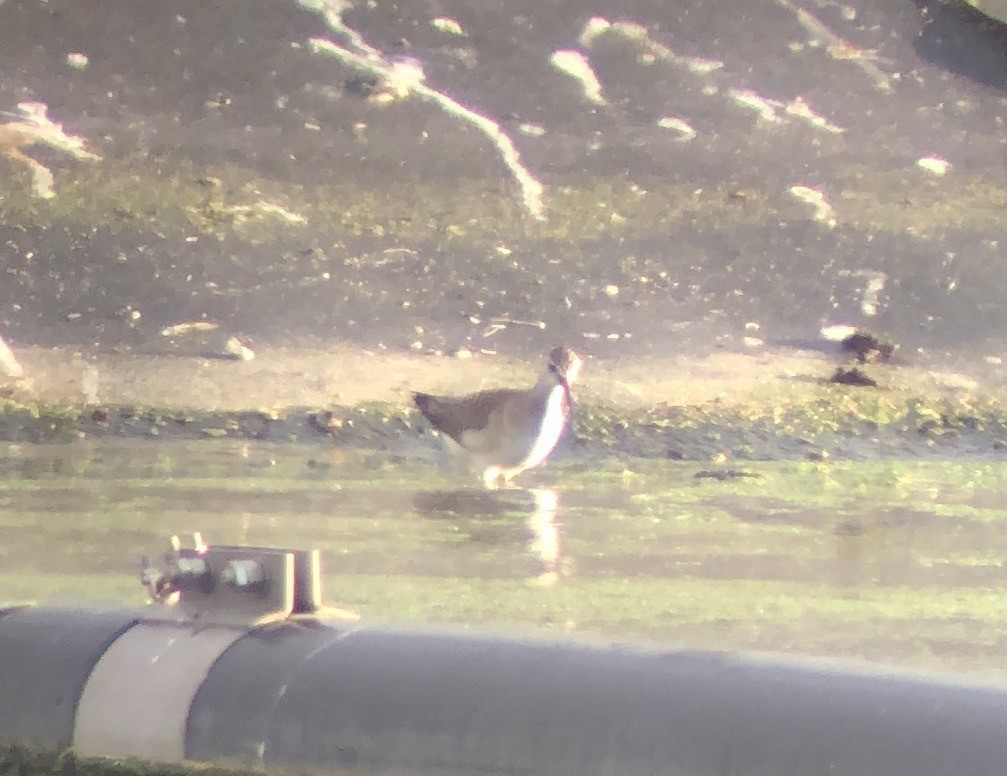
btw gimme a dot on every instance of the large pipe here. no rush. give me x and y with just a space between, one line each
326 696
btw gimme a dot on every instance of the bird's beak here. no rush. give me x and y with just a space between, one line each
572 372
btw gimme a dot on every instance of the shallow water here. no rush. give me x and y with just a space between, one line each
893 561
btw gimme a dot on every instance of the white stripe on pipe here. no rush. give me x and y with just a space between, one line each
136 701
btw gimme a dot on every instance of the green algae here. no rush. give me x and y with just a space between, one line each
784 423
886 560
696 611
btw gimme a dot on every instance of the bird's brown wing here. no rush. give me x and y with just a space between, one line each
454 415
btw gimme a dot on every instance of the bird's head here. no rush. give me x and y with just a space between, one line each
564 364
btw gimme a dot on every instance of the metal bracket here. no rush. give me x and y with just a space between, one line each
230 584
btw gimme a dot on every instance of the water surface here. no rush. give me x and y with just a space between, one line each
892 561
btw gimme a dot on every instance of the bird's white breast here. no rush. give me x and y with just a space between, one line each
551 428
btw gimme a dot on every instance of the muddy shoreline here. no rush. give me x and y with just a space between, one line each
765 404
752 175
751 167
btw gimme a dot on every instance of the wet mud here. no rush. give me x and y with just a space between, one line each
245 179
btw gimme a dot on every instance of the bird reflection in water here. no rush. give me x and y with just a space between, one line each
546 543
542 532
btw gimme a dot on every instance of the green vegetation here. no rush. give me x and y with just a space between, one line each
916 625
785 424
19 760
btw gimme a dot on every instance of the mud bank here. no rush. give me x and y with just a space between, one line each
765 404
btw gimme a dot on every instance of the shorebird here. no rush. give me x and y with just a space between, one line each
507 430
